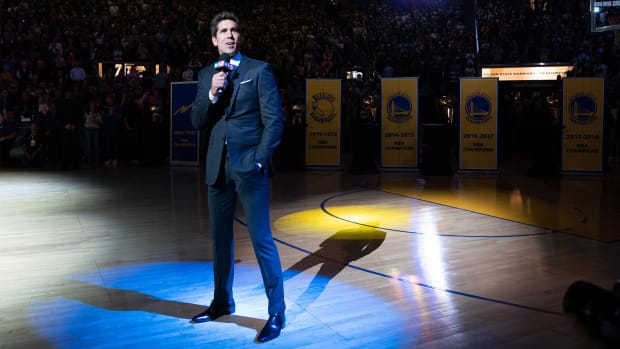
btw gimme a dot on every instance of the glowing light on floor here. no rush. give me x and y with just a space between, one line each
317 221
428 249
150 305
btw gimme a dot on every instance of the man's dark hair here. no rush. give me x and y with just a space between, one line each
221 17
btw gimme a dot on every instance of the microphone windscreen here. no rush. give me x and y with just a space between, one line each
224 57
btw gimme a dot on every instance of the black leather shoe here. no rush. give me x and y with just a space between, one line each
272 328
210 314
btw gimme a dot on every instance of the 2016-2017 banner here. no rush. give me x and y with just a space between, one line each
399 122
323 120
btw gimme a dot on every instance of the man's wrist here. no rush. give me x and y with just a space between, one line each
212 97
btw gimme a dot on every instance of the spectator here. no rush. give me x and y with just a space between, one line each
7 76
23 74
152 137
7 138
70 114
77 74
112 129
34 146
188 74
93 120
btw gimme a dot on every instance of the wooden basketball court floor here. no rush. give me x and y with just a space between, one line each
101 258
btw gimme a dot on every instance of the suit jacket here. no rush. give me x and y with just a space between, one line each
247 117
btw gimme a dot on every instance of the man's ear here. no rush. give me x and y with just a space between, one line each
214 41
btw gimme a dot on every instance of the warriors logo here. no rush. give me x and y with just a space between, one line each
582 109
399 108
478 108
182 109
323 109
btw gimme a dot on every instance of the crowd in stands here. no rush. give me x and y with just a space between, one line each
51 86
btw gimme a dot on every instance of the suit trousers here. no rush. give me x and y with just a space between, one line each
253 194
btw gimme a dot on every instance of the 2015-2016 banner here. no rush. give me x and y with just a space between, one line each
399 122
478 124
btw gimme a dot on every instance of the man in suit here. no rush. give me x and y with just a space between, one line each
239 102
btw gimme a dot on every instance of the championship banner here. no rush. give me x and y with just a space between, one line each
478 124
582 141
399 122
184 138
323 118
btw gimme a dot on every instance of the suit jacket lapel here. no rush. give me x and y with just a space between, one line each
239 72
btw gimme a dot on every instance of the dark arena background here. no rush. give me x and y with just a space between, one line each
105 237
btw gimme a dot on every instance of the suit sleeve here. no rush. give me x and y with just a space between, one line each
270 113
200 108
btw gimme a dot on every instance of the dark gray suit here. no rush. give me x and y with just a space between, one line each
246 126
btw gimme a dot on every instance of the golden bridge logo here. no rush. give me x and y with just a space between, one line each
182 109
582 109
323 109
478 108
399 108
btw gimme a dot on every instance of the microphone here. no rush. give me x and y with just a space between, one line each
223 64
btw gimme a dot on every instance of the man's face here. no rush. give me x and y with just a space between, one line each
227 37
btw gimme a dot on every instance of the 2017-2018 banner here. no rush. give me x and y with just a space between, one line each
582 139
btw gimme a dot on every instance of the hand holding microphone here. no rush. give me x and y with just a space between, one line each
220 79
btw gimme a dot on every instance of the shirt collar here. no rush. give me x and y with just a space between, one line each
236 59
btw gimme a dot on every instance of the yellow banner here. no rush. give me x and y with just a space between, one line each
399 122
582 140
478 124
323 118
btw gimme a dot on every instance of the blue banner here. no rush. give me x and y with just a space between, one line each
184 138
